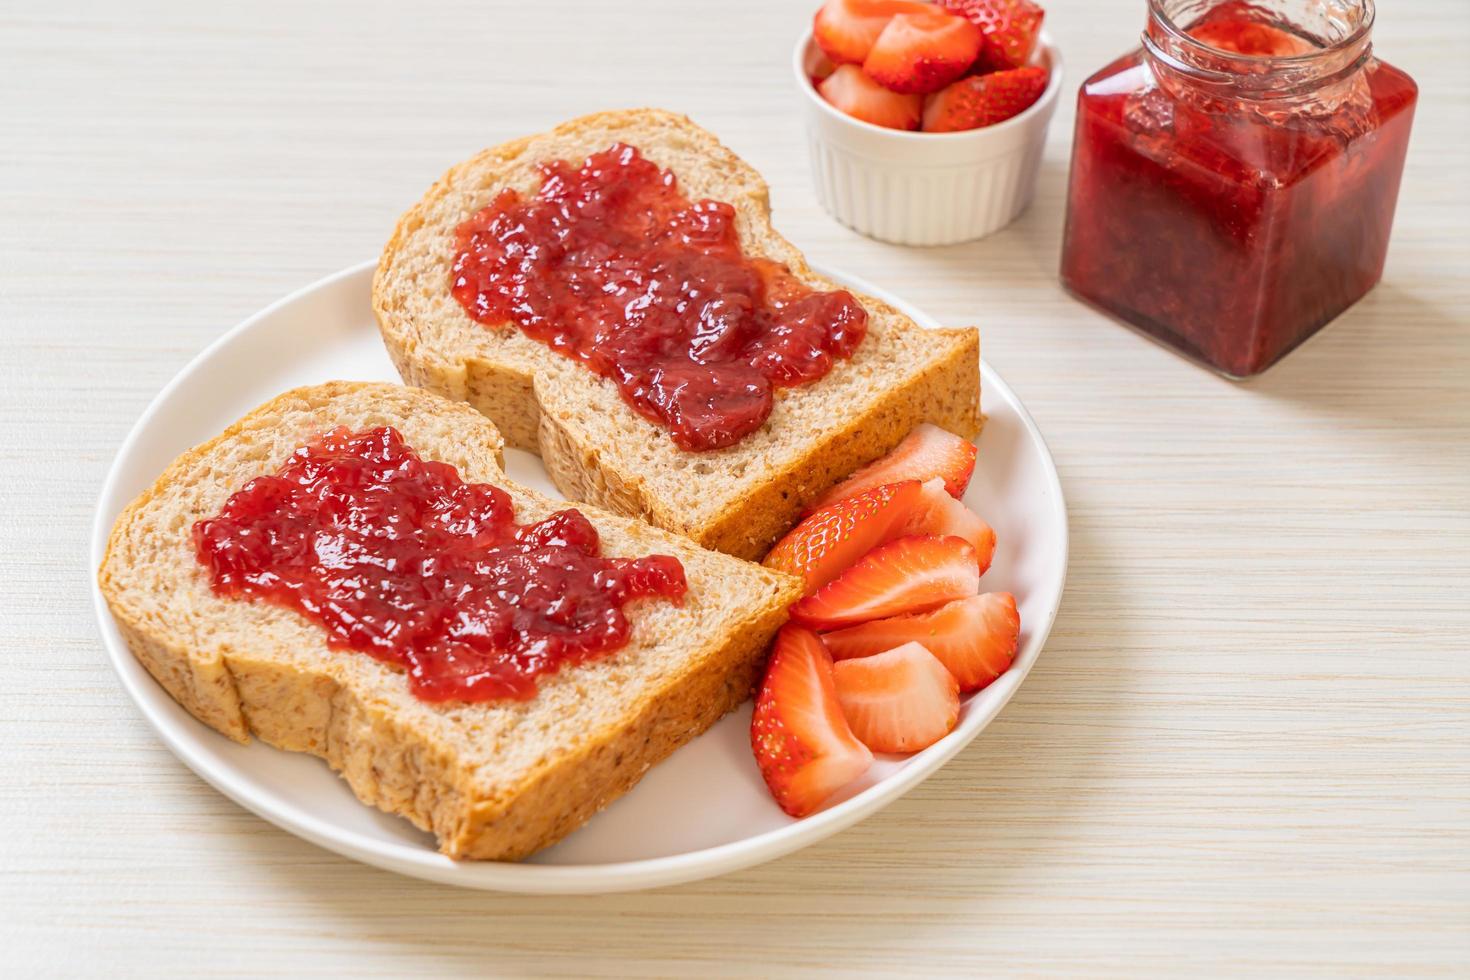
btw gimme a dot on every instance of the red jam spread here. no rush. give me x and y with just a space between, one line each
397 557
1233 217
611 265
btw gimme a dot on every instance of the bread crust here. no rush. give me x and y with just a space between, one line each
525 390
253 669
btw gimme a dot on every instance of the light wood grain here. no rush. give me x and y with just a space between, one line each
1246 749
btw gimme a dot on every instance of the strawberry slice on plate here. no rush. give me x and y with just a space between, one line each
984 100
849 90
1011 28
846 29
940 514
974 638
910 574
831 539
923 51
925 453
902 700
802 742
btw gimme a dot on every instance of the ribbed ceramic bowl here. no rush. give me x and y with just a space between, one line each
924 188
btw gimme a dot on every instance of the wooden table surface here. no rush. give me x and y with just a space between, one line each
1245 750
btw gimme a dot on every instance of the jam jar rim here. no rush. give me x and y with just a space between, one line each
1261 77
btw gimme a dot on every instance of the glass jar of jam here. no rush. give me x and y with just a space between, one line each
1233 181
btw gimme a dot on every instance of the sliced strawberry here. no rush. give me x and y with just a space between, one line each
906 575
902 700
822 546
923 51
1011 28
1249 37
852 92
801 741
846 29
925 453
975 638
983 100
821 68
938 513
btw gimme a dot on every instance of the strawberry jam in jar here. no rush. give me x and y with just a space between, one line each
1233 181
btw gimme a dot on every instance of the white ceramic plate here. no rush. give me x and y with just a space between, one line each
704 811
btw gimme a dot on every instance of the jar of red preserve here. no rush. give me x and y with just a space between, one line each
1233 181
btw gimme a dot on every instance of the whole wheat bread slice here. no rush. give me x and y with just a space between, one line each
737 500
491 780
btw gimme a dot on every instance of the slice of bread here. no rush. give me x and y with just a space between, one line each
737 500
491 780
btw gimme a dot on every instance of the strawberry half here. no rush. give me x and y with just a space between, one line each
983 100
938 513
831 539
925 453
852 92
846 29
899 701
907 575
923 51
974 638
1011 28
802 742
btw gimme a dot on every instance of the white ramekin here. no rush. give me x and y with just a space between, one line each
924 188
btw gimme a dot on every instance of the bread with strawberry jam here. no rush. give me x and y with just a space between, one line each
495 778
738 498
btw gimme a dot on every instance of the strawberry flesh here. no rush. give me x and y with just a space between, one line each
1011 29
940 514
846 29
851 91
975 638
923 51
983 100
802 743
821 68
926 452
910 574
902 700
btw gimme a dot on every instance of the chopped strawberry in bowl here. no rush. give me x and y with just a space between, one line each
983 100
914 47
927 119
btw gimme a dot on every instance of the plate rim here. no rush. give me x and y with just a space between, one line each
526 877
